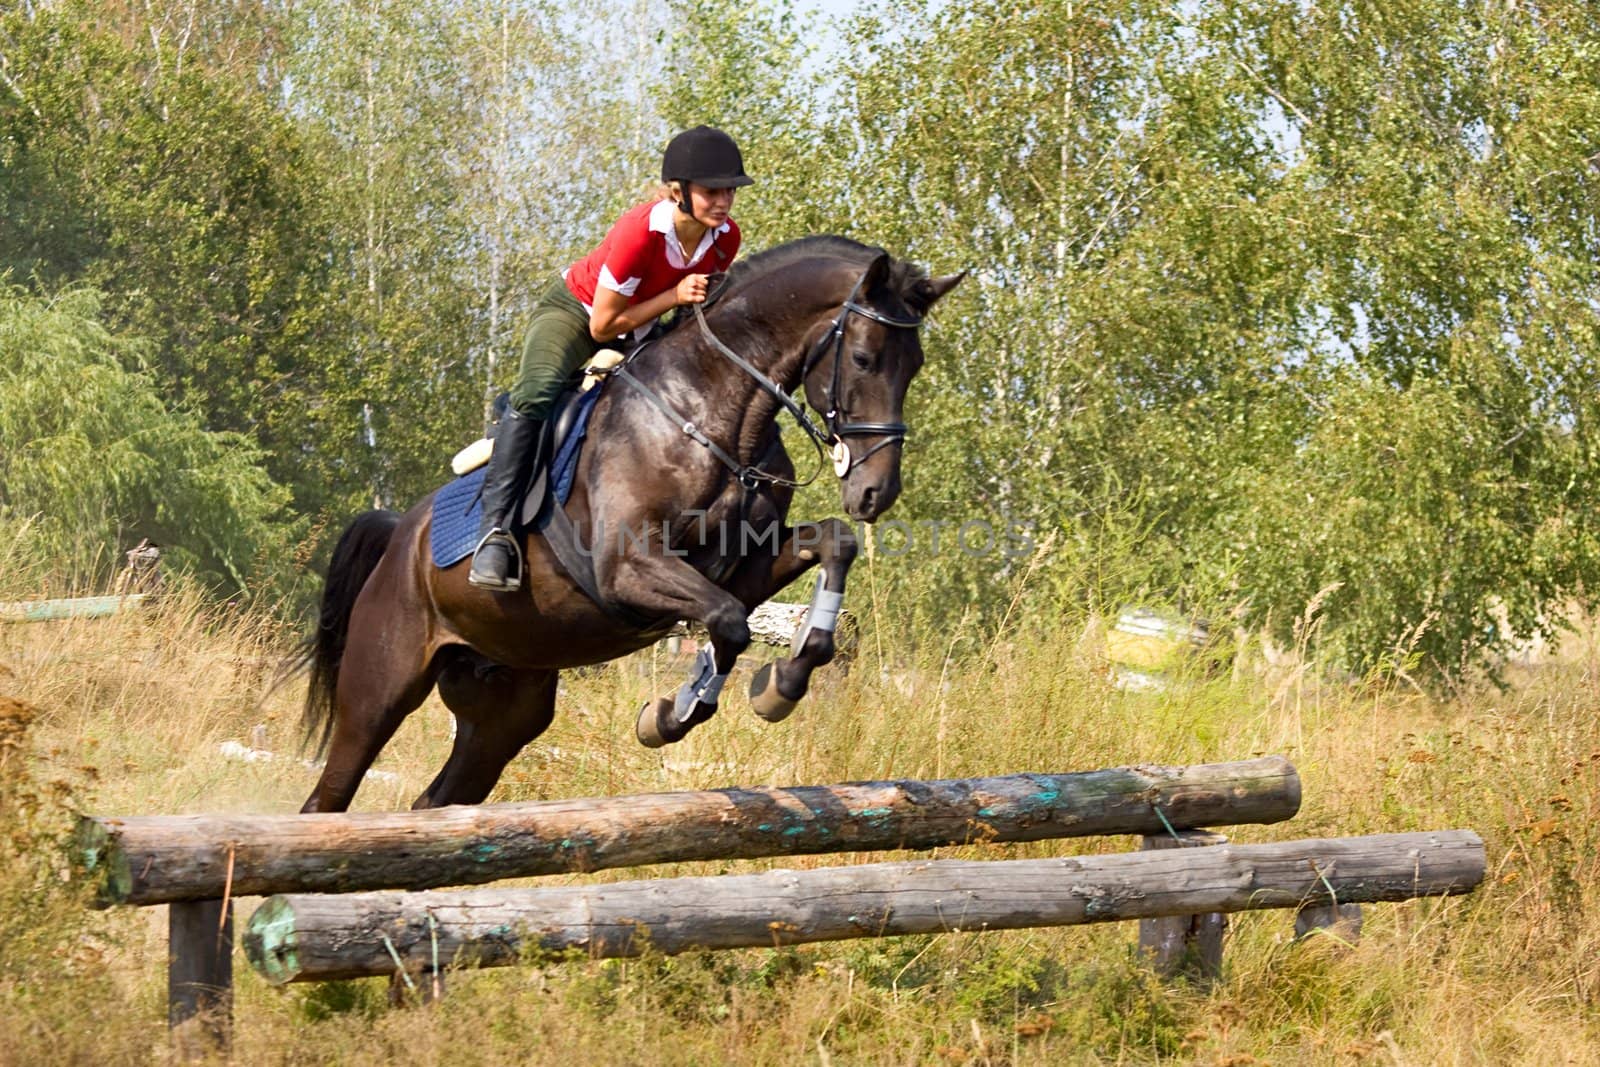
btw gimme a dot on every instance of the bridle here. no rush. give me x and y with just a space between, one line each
839 427
832 438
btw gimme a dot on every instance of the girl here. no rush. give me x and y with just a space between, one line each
654 258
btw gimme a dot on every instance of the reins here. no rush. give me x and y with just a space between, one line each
750 476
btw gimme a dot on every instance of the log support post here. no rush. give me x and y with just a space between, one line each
416 985
1188 945
1342 921
200 977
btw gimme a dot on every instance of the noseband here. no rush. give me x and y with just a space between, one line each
839 426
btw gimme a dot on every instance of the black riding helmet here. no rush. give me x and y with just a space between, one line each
705 156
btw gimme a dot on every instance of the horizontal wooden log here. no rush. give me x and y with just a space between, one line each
307 937
774 623
156 859
80 607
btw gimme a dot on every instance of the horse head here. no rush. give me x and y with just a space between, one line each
858 372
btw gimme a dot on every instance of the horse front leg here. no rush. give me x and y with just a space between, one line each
660 586
778 687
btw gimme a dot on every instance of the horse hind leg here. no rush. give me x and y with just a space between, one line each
498 711
381 681
384 672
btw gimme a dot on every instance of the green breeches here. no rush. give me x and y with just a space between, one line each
558 343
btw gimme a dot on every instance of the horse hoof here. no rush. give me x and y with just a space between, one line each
648 728
768 703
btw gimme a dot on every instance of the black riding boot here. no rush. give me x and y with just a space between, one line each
497 561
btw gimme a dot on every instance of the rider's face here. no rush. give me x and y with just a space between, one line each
710 207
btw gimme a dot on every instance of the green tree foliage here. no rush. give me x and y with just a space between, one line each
749 68
96 458
1268 297
539 172
379 87
466 152
1444 179
1015 140
326 219
187 198
180 193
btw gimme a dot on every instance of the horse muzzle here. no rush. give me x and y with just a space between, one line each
868 493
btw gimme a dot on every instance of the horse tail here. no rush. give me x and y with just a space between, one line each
355 557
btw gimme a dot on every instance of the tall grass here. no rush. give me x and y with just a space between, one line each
126 715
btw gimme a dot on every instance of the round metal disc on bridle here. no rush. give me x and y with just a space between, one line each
841 457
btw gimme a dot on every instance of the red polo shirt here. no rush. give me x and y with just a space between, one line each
641 257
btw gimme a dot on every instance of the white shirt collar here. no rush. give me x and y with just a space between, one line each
661 219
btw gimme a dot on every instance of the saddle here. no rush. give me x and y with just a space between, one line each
457 507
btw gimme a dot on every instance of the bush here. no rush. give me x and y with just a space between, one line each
94 458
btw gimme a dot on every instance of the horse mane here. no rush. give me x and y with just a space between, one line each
907 280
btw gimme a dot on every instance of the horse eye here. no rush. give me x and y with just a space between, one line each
862 360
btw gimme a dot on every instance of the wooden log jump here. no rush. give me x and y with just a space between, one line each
310 938
160 859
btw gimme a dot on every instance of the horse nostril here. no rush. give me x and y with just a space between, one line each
868 496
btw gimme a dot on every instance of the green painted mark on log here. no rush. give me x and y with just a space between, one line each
271 943
484 851
1101 908
576 842
1036 803
872 813
87 607
97 850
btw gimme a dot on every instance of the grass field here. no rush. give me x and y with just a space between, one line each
127 715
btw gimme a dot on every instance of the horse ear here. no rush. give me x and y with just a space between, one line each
942 286
929 291
877 272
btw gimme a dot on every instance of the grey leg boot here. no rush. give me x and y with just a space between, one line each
497 561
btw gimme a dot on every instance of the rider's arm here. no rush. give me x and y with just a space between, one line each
613 316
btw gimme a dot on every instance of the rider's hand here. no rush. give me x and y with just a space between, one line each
692 289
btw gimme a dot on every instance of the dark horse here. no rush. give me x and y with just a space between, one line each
682 480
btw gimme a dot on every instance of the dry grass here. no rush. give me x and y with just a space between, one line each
127 715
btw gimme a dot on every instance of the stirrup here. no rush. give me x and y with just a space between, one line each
512 580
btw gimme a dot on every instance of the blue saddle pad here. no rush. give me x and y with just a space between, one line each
457 510
458 507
